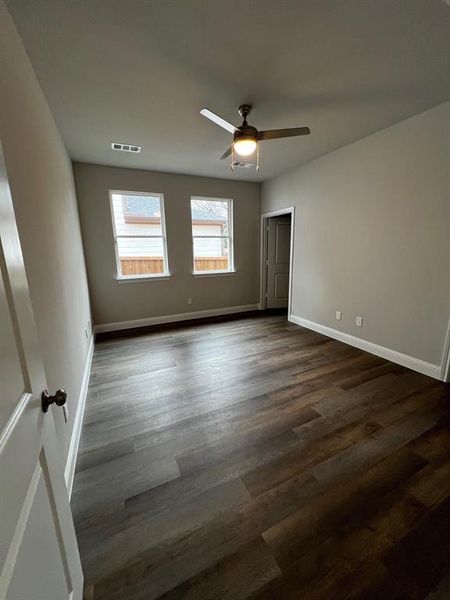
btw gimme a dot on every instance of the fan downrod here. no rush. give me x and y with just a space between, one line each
244 111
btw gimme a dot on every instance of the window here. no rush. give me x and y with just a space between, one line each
212 233
139 234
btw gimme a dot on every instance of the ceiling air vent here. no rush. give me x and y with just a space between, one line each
125 147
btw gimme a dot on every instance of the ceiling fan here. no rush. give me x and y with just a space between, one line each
246 137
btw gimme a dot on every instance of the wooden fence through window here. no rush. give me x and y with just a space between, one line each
147 265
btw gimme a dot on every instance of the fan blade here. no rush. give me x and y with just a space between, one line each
218 120
226 154
273 134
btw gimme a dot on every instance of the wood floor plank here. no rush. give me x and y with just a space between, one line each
381 442
433 444
104 454
422 558
147 539
257 427
161 566
232 578
442 589
112 482
291 537
209 476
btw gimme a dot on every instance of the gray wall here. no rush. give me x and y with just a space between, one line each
41 180
372 235
114 301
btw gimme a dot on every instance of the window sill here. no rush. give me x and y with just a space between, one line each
161 277
213 273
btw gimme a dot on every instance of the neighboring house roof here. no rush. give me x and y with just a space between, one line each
140 206
200 215
147 207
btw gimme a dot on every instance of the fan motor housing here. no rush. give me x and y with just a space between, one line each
246 132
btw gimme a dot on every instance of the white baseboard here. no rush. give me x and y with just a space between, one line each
198 314
397 357
77 426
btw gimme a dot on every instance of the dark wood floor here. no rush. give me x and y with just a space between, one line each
256 459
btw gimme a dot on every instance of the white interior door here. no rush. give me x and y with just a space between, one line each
278 256
39 557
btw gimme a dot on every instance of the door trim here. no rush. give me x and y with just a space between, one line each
263 245
445 363
69 471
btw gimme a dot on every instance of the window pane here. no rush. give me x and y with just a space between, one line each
140 247
209 217
210 231
134 216
137 215
211 254
141 256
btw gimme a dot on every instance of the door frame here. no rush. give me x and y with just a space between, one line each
445 363
263 257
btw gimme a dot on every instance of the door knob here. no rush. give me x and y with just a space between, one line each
60 398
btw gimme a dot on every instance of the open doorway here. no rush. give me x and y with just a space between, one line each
276 259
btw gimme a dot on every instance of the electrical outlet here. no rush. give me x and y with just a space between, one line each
189 300
86 333
359 321
338 315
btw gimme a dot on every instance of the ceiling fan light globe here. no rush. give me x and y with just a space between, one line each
245 146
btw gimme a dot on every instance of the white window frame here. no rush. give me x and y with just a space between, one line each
229 237
163 236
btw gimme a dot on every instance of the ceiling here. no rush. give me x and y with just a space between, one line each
139 71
